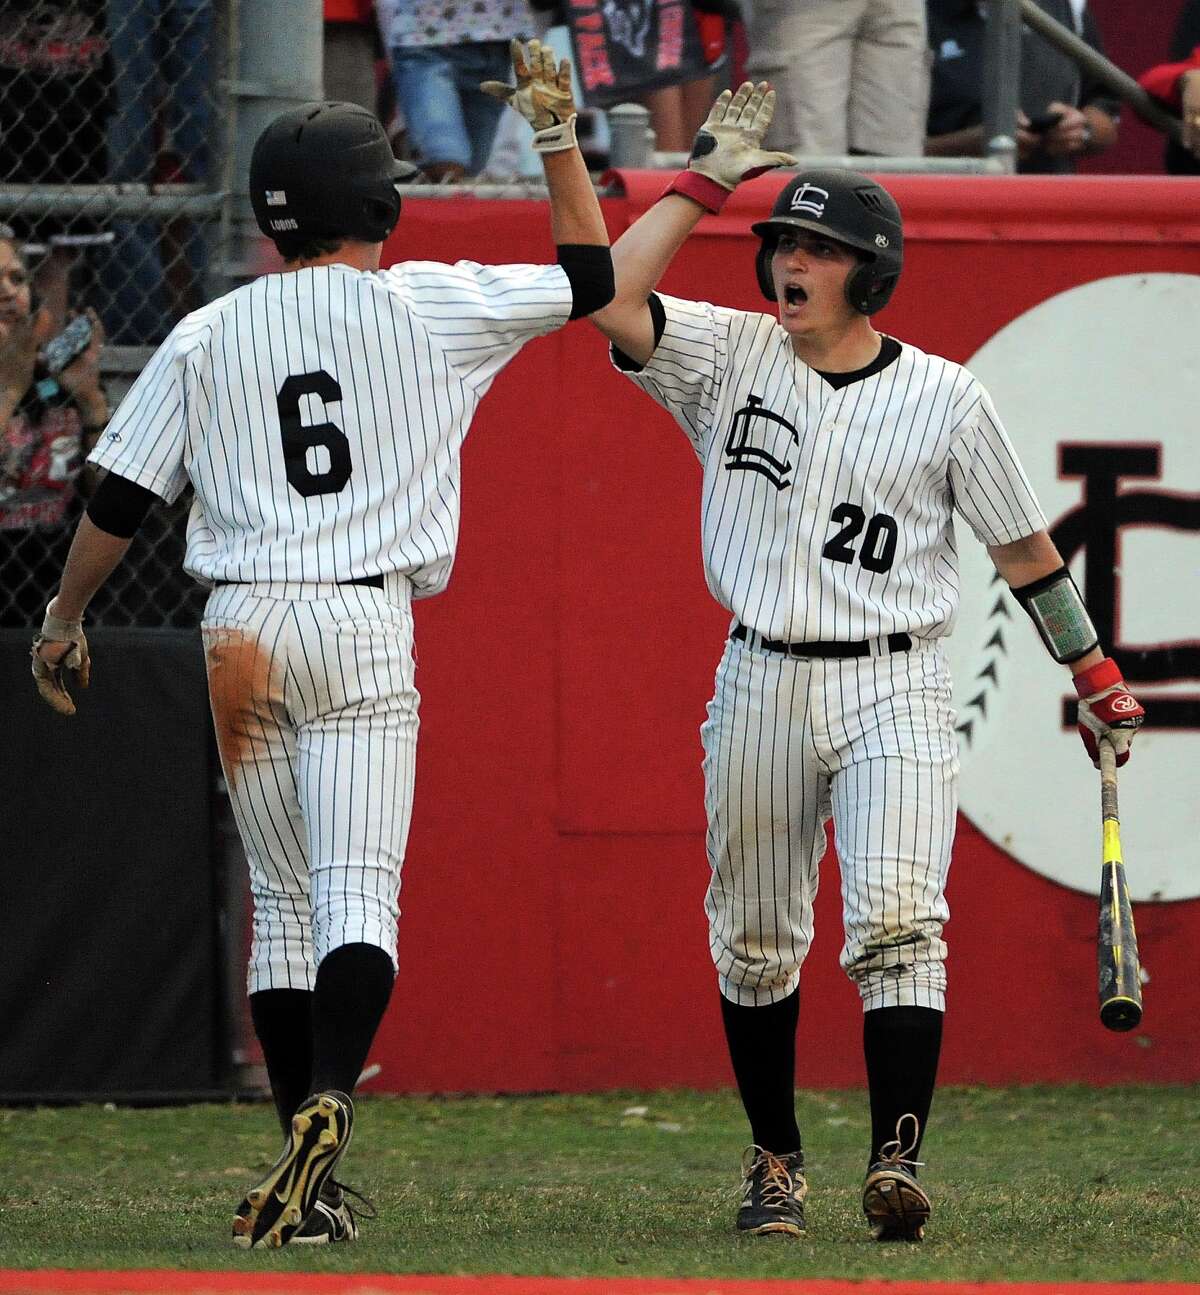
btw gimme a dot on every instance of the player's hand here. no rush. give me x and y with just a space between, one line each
60 646
728 147
1107 709
1191 111
542 95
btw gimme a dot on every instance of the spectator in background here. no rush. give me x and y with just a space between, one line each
678 111
47 426
1177 85
440 50
159 132
852 76
54 101
351 48
1064 113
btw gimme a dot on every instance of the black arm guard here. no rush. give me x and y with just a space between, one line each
589 269
119 506
1055 607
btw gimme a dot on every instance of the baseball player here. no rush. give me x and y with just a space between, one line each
834 459
318 414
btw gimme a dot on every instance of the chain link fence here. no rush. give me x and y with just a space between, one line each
113 120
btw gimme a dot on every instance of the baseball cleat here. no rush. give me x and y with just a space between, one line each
773 1192
333 1219
895 1204
274 1211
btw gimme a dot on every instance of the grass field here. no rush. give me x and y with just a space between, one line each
1032 1184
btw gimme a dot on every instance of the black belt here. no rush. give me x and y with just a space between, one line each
895 643
375 582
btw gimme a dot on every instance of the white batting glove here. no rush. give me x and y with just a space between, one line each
542 95
728 147
49 661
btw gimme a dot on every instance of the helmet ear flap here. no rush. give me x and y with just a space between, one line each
859 284
381 215
762 267
867 290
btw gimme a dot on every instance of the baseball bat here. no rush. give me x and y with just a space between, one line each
1120 970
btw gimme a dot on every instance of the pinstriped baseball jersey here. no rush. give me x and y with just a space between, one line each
827 513
319 415
827 521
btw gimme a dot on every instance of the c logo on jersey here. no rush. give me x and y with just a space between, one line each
760 440
1122 494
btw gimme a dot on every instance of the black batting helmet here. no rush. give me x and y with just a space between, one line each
850 208
326 170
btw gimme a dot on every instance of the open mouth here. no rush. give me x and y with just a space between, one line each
794 294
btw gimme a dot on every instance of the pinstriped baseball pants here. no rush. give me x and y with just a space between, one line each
315 708
787 743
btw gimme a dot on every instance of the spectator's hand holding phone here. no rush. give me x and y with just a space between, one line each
1028 139
81 377
1069 135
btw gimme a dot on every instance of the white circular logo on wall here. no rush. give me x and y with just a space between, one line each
1099 389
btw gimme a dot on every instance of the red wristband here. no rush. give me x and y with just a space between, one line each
708 193
1098 677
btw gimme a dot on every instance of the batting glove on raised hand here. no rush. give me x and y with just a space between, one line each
542 95
728 147
1107 709
60 646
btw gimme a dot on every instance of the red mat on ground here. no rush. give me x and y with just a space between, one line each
13 1282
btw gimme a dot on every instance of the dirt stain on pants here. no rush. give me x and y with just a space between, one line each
239 686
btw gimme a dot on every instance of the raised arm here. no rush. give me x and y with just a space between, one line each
727 150
542 95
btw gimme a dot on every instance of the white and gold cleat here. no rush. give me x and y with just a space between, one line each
274 1210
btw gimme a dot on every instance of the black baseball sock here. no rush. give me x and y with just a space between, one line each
901 1046
762 1047
283 1022
354 983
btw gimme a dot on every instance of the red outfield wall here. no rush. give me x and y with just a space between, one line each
553 934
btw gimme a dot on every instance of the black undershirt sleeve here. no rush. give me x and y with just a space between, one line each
658 316
119 506
589 270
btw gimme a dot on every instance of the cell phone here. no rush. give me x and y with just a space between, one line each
1044 122
68 345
